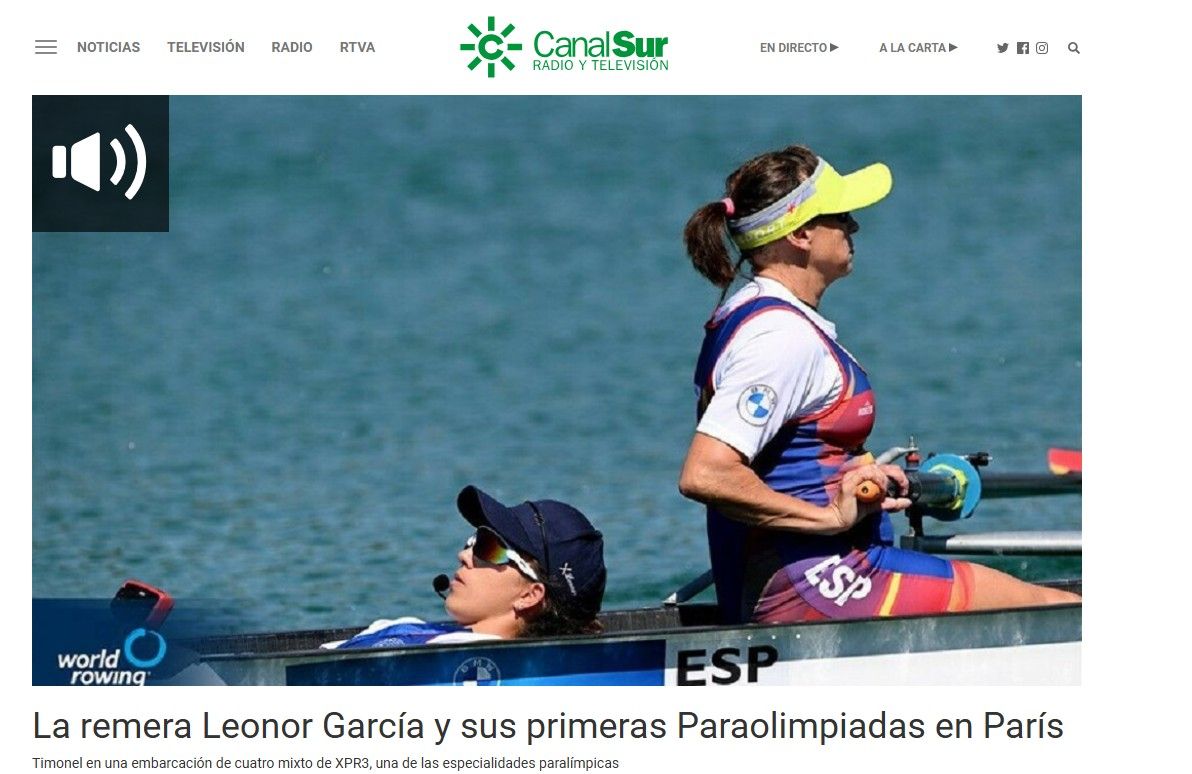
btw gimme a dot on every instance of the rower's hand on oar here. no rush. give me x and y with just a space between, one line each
871 488
898 501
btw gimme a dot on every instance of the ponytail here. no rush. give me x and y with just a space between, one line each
706 238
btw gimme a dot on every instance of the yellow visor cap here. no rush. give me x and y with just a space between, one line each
824 193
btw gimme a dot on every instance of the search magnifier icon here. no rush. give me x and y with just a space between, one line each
1073 47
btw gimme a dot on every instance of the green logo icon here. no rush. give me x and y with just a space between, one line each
490 45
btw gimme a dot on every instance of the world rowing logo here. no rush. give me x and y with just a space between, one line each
143 649
490 46
159 650
756 404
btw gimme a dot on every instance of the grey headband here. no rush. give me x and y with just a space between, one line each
802 193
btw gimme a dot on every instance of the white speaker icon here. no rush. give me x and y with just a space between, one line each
84 161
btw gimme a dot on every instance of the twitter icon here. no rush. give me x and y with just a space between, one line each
1001 47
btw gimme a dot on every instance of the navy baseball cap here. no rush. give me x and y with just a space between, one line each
563 535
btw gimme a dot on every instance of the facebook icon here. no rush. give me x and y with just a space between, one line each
1024 48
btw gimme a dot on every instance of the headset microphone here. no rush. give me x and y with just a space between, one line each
441 583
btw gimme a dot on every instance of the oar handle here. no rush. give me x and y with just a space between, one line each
870 492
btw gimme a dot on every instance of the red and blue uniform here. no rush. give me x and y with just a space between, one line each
770 575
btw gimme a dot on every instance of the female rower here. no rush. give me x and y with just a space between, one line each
784 412
533 570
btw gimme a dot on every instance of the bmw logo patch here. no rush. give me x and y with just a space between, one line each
477 671
756 404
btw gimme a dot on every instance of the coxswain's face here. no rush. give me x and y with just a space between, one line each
831 244
481 594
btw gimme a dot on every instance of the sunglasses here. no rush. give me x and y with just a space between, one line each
490 548
843 218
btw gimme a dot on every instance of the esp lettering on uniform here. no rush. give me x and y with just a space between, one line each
842 585
724 663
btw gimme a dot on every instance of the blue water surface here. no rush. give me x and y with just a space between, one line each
364 304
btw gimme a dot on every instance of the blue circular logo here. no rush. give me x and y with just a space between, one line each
756 404
477 671
147 663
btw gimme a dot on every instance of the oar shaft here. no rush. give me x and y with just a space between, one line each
931 488
995 485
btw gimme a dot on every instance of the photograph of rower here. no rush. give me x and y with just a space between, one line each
363 304
785 412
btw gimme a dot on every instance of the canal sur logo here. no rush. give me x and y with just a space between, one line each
492 44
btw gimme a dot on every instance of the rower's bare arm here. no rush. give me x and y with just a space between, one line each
716 474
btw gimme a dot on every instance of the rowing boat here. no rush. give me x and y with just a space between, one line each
129 640
679 642
679 645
